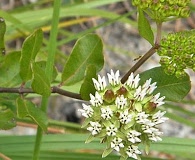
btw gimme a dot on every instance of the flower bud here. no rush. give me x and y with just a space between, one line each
109 96
122 91
150 107
177 51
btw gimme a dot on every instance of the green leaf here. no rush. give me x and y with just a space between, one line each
9 70
90 139
173 88
7 119
30 48
88 87
107 152
54 145
145 28
28 109
42 65
40 83
87 50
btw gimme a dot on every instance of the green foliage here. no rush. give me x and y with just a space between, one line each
87 51
145 28
87 86
26 108
71 146
42 65
30 48
40 82
9 70
173 88
7 119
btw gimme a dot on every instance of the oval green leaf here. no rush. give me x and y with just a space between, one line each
173 88
28 109
87 50
40 83
30 48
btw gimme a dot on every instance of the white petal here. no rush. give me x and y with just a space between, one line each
113 78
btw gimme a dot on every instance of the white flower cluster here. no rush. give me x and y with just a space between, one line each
124 115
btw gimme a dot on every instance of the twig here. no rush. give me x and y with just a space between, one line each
146 55
4 157
139 63
54 89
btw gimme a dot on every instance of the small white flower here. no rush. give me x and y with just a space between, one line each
149 87
95 128
158 118
132 136
149 127
116 144
121 102
99 84
154 136
132 151
96 100
111 130
87 111
106 113
158 101
140 93
141 118
113 78
125 117
133 82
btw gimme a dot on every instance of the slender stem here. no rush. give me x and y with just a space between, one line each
158 34
54 89
48 70
16 90
66 93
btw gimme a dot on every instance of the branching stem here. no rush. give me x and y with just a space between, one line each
146 55
54 89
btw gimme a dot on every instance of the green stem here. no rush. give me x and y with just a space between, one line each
48 70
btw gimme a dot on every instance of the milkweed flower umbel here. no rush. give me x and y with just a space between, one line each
124 115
